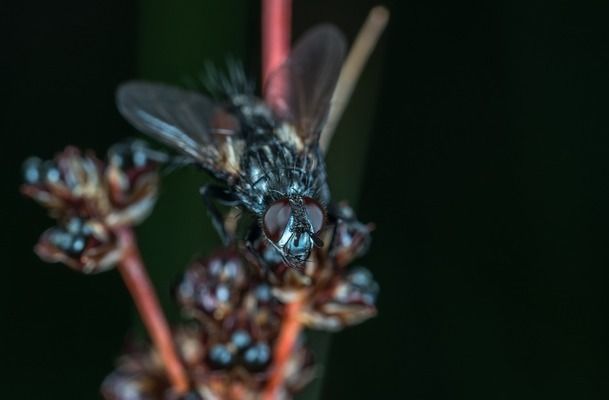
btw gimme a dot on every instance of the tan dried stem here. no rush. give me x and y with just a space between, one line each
362 48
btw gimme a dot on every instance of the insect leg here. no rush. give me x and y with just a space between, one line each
332 214
211 192
253 235
357 234
335 213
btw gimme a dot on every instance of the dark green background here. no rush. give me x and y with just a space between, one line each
478 142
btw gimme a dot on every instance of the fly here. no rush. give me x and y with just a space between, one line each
266 156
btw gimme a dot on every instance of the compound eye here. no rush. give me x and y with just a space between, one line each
276 219
315 212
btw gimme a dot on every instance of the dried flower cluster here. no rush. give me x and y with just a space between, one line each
239 303
91 199
229 352
235 299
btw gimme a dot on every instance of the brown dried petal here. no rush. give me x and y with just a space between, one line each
141 376
351 239
239 383
69 184
86 246
214 286
132 200
347 301
132 180
123 193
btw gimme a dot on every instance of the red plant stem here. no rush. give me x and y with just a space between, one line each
138 283
276 34
276 37
288 335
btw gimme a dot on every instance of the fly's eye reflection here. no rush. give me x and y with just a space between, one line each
315 212
276 219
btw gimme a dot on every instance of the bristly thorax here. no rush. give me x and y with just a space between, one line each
272 169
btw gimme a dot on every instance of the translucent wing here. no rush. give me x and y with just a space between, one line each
300 91
187 121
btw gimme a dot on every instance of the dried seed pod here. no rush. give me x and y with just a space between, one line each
132 181
218 371
347 300
225 293
140 374
213 286
245 371
351 238
80 190
84 245
70 184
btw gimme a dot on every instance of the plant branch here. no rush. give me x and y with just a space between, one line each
276 35
288 335
364 44
138 283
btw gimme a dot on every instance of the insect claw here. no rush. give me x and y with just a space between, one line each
316 240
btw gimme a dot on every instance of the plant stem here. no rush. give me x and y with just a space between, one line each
288 335
364 44
276 34
138 283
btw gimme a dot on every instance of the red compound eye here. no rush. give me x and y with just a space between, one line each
276 219
315 212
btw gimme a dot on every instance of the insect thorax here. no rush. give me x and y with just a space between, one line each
272 169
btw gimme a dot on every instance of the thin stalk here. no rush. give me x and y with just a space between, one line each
288 335
276 34
138 283
362 48
276 37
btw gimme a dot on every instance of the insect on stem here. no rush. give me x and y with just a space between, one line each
138 283
276 35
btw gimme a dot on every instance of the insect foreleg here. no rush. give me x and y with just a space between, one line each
211 193
335 213
332 215
253 235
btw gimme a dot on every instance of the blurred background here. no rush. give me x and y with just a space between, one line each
477 141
